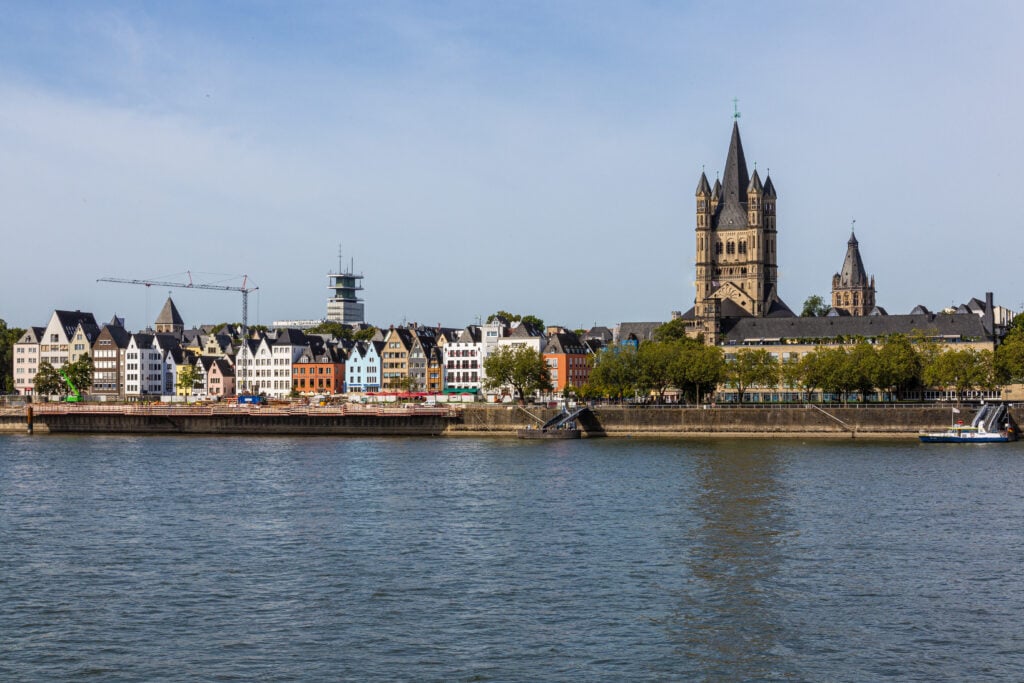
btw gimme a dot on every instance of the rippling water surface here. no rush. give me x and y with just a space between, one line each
281 559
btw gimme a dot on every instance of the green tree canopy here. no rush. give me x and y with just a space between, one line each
188 377
752 367
9 336
673 330
80 373
519 367
960 370
898 367
365 334
616 371
655 361
814 305
48 381
336 330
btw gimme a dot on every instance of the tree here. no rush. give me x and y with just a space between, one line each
862 366
832 371
48 381
673 330
365 334
615 372
815 306
504 315
336 330
520 367
534 321
79 373
898 367
960 370
752 367
699 369
655 360
9 336
188 377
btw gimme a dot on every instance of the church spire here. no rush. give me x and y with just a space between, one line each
735 178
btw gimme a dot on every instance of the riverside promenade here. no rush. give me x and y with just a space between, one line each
795 420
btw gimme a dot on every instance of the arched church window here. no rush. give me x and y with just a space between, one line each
718 248
730 247
743 247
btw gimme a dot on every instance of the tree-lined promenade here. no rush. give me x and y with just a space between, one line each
892 370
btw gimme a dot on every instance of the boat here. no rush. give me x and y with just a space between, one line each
992 424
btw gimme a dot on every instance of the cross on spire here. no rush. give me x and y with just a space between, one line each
735 108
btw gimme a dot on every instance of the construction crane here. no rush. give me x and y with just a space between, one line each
244 289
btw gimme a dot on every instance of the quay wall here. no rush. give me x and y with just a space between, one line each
502 420
747 421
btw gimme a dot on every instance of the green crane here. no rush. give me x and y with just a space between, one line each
75 396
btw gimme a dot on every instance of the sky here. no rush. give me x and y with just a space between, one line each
470 157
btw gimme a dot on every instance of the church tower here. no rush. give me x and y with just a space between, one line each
736 234
853 292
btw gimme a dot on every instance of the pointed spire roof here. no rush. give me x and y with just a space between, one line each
703 187
716 191
735 178
769 187
169 315
733 214
853 273
755 183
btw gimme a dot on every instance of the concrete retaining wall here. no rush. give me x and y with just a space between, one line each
828 422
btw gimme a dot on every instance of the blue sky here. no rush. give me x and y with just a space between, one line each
469 156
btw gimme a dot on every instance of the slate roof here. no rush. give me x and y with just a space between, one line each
941 325
638 331
118 335
566 342
69 320
169 315
853 273
526 331
292 337
732 209
600 332
225 368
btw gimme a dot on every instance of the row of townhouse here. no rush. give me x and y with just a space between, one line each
144 365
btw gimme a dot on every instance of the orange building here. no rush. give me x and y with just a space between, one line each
319 372
566 357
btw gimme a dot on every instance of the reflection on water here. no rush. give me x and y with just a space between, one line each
727 622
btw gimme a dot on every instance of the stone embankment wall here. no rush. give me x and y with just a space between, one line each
476 420
802 421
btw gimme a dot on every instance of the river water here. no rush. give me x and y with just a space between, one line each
295 559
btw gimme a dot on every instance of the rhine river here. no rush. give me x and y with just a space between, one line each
305 559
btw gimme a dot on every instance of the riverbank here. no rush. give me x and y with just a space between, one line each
803 421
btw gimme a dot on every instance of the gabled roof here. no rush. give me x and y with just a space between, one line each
225 368
291 337
567 343
920 310
526 331
143 340
469 335
599 332
169 314
69 320
206 362
32 335
117 334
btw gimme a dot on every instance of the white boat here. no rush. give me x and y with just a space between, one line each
992 424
